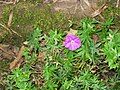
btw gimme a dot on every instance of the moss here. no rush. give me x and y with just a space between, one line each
31 14
28 16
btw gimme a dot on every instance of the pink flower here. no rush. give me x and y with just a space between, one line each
72 42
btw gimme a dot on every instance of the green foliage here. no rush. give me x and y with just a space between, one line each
59 68
88 50
88 81
59 71
34 39
70 70
53 41
64 69
105 28
112 49
19 79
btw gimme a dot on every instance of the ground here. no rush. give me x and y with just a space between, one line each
62 14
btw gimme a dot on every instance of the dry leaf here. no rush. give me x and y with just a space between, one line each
17 62
72 31
95 38
41 56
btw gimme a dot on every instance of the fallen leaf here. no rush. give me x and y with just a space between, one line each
72 31
17 62
95 38
41 56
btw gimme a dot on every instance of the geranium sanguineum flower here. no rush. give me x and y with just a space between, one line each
72 42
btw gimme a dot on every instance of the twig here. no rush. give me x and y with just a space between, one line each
10 18
10 30
6 28
11 2
118 2
54 1
11 13
15 33
15 1
89 5
87 2
98 11
4 2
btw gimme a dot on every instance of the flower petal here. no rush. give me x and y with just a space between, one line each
71 47
67 45
77 40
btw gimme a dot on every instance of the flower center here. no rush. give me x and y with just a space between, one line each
72 42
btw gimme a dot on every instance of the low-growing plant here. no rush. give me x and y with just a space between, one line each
61 63
88 81
88 50
62 67
20 79
112 49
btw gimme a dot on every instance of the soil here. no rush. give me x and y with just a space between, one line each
77 8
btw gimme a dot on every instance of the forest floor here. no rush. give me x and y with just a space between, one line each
19 19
